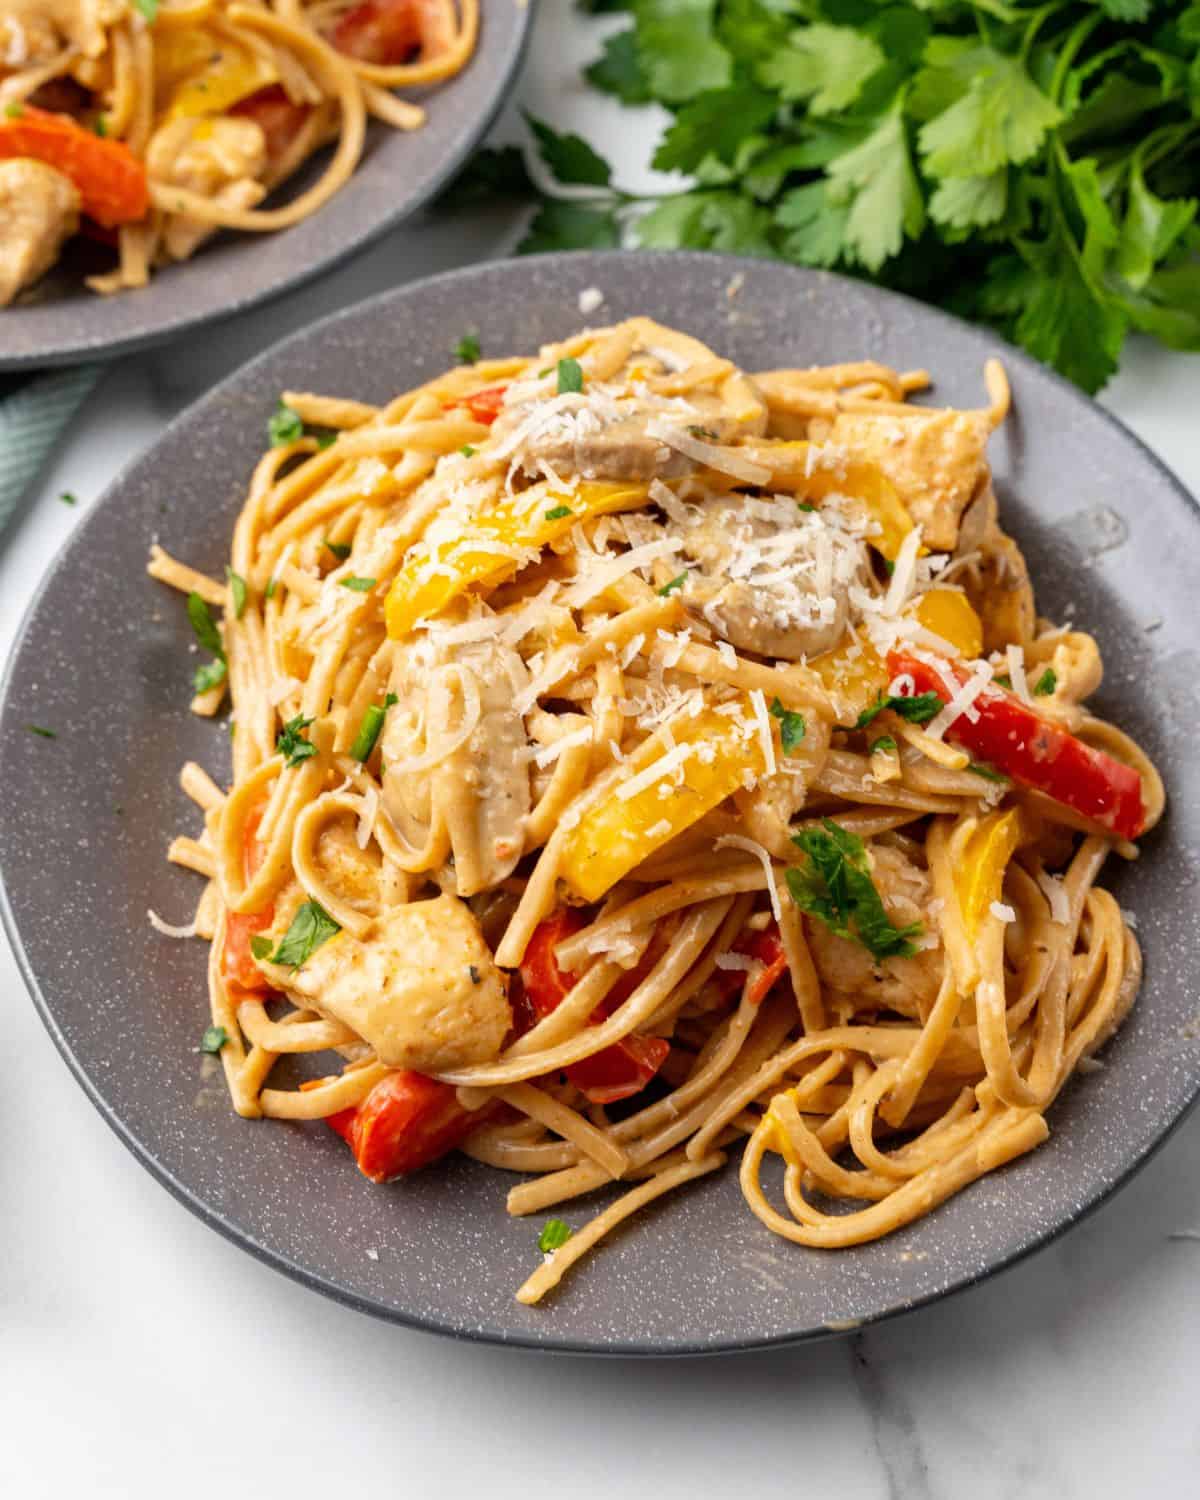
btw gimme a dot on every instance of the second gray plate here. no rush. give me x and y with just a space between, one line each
103 660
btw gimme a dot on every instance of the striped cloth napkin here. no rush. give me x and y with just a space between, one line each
34 410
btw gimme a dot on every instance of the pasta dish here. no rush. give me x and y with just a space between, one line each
637 761
147 125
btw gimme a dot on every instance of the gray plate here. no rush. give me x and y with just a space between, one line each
104 660
64 323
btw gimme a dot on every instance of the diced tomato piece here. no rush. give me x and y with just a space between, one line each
1010 736
485 405
767 948
279 119
111 180
616 1072
380 31
405 1122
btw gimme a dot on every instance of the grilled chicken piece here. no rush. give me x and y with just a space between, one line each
474 799
935 462
422 989
39 209
770 580
220 158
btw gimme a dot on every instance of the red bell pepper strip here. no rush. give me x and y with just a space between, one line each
111 180
767 948
405 1122
1036 753
380 31
238 968
279 119
485 405
618 1071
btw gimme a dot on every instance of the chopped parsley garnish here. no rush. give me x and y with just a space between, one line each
13 110
889 567
340 550
703 432
541 374
882 745
325 439
466 351
835 886
260 946
675 583
1004 682
555 1234
214 1039
291 743
204 625
1046 683
209 676
570 376
359 585
148 8
100 126
46 734
989 773
286 426
368 729
68 498
467 451
237 591
311 926
272 585
805 505
792 728
558 512
918 709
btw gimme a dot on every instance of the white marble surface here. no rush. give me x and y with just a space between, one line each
141 1355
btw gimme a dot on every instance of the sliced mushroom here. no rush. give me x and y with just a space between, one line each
996 581
456 779
421 989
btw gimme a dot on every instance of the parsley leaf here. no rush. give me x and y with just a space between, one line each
369 727
1046 683
213 1039
675 583
291 743
792 727
835 886
555 1234
677 52
570 376
882 745
204 626
989 773
40 730
68 498
617 71
559 512
13 110
359 585
340 550
825 65
467 451
918 708
285 426
999 118
209 676
713 124
877 183
562 225
310 927
237 591
569 157
260 946
466 351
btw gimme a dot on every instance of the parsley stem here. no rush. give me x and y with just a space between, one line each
1070 50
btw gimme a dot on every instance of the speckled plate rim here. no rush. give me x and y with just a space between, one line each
579 269
96 334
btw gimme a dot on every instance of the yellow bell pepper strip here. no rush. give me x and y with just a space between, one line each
210 74
854 676
636 819
434 576
948 613
979 877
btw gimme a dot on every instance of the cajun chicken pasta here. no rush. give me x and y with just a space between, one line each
147 125
639 763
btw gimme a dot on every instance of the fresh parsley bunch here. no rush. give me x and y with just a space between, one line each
1032 166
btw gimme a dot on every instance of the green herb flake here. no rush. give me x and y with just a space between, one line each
884 745
340 550
100 126
237 591
260 946
68 498
570 376
310 927
149 9
836 888
555 1234
272 585
989 773
805 505
13 110
467 451
1046 683
285 426
792 728
209 676
39 729
559 513
325 440
213 1039
466 351
704 432
917 709
359 585
675 583
369 729
204 626
291 743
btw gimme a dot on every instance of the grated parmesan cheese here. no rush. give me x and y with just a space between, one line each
735 962
763 722
725 460
168 929
1002 912
1056 894
1015 658
546 754
605 574
366 818
962 703
752 846
673 760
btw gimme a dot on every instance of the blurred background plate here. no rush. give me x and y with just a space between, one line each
398 174
103 660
